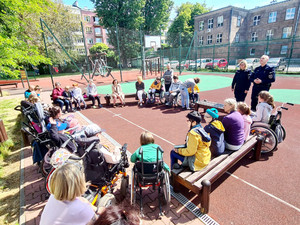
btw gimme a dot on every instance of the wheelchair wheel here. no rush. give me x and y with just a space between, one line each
162 98
270 140
45 168
280 133
107 200
124 186
133 188
48 180
166 187
178 100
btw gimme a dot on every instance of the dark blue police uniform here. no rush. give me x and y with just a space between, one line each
267 76
241 83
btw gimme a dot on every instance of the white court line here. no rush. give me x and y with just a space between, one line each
119 115
251 185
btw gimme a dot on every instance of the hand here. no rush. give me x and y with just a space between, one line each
232 89
246 91
51 120
257 81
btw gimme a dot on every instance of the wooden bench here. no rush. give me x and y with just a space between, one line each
200 182
6 84
108 99
208 105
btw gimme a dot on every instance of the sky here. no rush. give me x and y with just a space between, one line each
214 4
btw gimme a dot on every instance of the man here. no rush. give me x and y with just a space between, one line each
185 99
168 77
262 78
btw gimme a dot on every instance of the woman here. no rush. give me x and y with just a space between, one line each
234 126
196 154
117 93
92 93
241 83
65 205
140 90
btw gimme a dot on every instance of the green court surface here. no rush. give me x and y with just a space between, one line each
286 95
207 82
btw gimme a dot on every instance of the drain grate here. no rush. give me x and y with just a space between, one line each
206 219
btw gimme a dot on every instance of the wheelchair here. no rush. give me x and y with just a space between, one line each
150 174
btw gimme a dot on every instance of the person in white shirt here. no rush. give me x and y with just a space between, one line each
77 96
92 93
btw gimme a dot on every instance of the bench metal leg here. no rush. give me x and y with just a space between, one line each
257 152
205 192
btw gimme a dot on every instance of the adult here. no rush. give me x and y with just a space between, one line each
185 99
234 126
92 94
173 91
168 77
196 154
58 98
262 78
117 93
65 205
140 90
241 82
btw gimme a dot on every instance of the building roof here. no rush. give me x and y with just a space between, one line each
227 7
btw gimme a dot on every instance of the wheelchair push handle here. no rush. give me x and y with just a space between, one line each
124 148
285 108
292 104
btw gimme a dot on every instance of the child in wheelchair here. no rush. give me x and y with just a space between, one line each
173 92
155 88
264 108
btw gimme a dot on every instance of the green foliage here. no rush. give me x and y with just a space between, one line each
183 24
5 148
103 48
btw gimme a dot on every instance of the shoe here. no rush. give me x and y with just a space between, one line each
100 106
188 108
141 104
114 106
94 107
176 166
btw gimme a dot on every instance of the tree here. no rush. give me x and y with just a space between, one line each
184 23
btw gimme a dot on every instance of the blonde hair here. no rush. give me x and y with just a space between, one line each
146 138
33 98
245 62
139 78
243 108
37 88
267 97
232 103
67 182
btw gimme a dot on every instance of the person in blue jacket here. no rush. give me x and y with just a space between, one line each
241 82
262 78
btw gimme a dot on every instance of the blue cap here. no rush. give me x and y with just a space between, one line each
213 112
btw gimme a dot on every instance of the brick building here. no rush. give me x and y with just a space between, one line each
233 32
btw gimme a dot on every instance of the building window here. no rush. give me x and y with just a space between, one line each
96 20
90 41
239 21
284 49
201 40
254 37
201 25
210 23
81 51
269 34
97 31
290 13
80 40
98 40
287 32
252 51
209 39
219 38
237 38
220 21
87 18
88 30
272 17
256 20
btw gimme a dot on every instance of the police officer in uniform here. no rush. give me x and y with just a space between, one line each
262 78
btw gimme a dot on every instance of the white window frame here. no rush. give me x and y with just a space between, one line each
201 25
210 23
209 39
239 21
272 17
284 50
80 40
90 41
219 38
254 37
237 38
252 51
87 18
201 40
81 51
220 21
287 32
88 30
290 13
269 34
98 33
256 20
101 40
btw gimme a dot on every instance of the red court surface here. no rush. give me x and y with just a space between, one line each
263 192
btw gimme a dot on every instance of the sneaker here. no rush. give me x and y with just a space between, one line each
141 104
176 166
94 107
100 106
188 108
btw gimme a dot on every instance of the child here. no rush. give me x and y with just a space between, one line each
38 91
77 95
117 93
155 87
92 93
28 92
149 150
244 110
264 107
216 130
196 154
194 96
68 95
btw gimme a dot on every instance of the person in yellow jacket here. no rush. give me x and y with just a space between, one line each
194 96
155 87
195 153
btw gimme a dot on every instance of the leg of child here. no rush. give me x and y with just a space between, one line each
82 100
174 158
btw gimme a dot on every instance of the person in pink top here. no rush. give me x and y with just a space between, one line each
58 98
65 205
245 111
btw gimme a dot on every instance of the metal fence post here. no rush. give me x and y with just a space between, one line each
213 63
180 53
86 56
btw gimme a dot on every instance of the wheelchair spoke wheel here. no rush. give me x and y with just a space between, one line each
133 188
48 180
107 200
270 140
45 168
178 99
124 186
166 187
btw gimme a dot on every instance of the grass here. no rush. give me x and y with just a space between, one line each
10 163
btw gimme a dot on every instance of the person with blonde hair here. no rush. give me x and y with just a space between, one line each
140 90
65 205
78 97
241 83
264 108
234 126
149 150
